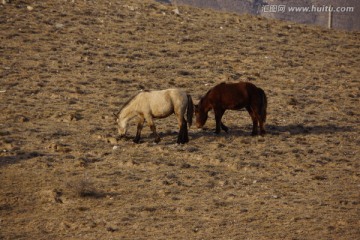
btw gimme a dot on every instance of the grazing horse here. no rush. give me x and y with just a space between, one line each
148 105
233 96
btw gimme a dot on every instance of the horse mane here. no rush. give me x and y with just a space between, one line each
129 101
126 103
207 93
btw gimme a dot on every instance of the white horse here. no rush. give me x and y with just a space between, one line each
157 104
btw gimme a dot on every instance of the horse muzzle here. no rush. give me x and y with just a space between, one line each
199 126
122 133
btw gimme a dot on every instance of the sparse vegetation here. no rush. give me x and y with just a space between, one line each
67 66
85 187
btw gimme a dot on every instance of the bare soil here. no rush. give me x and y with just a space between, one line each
66 66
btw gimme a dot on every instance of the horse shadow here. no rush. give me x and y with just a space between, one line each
9 160
275 130
300 129
245 131
208 132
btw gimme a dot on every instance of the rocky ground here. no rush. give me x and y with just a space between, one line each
67 66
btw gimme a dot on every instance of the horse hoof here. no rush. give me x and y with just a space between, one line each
136 141
157 140
182 141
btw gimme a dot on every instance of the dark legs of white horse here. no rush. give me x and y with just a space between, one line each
157 137
183 136
151 124
138 131
140 127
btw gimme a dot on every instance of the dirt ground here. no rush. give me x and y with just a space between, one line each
67 66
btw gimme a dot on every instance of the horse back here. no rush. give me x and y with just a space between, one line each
231 95
165 102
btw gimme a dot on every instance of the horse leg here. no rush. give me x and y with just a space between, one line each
262 129
183 131
218 115
151 124
254 120
138 131
223 127
260 121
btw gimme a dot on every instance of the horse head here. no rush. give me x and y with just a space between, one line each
122 130
200 114
122 124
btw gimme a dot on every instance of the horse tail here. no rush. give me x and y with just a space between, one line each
263 105
190 110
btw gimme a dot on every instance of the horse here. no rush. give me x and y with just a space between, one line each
148 105
233 96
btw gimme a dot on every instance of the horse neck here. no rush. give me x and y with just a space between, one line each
127 113
205 105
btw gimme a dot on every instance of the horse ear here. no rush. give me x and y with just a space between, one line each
116 117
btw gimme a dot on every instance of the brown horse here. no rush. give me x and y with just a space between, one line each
233 96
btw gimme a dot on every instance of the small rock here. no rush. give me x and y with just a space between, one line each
115 147
30 8
4 133
8 147
58 147
21 119
176 11
287 134
185 165
112 140
59 25
72 117
293 101
112 229
131 8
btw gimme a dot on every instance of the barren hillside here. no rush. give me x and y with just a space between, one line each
67 66
349 20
